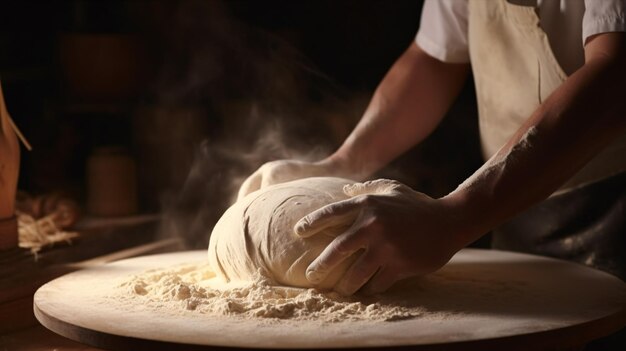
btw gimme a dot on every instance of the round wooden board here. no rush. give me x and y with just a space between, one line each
537 303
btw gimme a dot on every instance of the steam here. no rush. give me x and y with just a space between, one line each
250 98
213 180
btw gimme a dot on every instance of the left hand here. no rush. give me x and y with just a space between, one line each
402 233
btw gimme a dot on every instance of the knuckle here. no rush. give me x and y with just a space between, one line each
351 285
373 224
376 226
363 271
367 200
343 245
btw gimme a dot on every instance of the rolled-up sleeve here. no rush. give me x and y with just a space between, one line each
443 30
603 17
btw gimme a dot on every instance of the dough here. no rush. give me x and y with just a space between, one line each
256 235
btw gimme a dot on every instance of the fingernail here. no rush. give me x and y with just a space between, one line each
301 227
313 276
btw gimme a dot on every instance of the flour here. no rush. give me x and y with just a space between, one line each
194 289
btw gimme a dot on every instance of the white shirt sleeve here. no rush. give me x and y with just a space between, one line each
443 30
603 16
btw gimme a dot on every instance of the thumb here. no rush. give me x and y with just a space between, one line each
378 186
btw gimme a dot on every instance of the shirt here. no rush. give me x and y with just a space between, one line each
567 23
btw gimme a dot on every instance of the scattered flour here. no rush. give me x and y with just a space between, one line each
194 288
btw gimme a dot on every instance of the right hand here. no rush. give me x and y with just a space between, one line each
281 171
401 232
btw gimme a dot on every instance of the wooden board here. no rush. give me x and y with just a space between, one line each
552 304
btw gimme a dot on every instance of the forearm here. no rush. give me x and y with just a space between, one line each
406 107
576 122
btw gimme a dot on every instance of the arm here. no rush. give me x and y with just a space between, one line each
576 122
406 107
402 233
408 104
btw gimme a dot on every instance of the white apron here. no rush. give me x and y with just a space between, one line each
514 72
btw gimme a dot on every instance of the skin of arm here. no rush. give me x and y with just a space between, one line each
576 122
406 107
402 233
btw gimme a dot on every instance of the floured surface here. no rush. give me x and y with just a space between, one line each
194 287
480 294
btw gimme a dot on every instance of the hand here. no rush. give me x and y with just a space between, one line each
400 232
283 171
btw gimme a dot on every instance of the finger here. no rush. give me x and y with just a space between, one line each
252 183
340 249
377 186
333 215
358 274
380 282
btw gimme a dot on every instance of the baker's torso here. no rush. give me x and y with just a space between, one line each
520 52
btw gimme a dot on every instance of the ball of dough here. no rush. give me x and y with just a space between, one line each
256 233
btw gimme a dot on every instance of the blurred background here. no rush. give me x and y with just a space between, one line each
162 108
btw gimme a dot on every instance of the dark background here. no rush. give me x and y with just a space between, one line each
212 87
199 93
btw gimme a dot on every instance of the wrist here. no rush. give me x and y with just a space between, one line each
468 218
343 166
